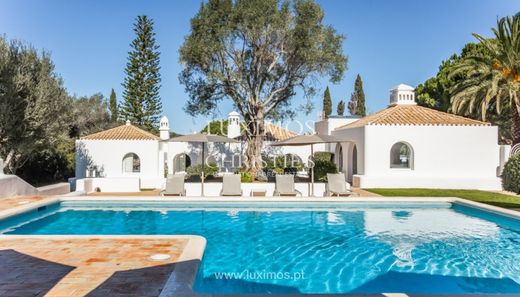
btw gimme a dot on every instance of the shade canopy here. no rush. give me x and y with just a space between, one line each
202 137
308 139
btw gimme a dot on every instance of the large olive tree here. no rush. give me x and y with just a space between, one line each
257 53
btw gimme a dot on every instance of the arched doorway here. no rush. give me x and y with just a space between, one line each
354 160
340 158
181 162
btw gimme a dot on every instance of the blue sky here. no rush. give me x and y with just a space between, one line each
388 42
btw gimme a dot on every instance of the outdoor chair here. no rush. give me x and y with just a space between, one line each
231 185
337 186
284 186
174 186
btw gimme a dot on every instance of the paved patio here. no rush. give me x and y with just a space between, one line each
76 266
8 203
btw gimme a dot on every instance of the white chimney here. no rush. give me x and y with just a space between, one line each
402 95
164 128
233 125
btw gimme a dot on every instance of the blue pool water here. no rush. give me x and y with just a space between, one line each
334 248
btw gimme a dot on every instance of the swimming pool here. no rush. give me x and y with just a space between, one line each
322 247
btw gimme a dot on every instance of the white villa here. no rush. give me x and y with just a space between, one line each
402 146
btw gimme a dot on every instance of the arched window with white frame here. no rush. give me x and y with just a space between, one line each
131 163
401 156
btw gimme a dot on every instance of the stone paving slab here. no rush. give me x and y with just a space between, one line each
11 202
86 266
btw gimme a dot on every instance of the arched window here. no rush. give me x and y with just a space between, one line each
131 163
401 156
354 160
181 162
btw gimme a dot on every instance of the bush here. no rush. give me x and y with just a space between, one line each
321 168
261 176
278 170
324 156
246 177
196 170
511 174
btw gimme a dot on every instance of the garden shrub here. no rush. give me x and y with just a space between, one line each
321 168
324 156
261 176
511 174
196 170
246 177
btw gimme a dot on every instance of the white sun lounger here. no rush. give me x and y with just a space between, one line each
337 185
174 186
284 185
231 185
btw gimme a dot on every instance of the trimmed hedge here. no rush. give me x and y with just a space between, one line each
321 168
511 174
324 156
247 177
209 170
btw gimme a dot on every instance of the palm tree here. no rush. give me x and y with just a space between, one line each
492 80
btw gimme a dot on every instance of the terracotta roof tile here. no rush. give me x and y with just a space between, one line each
275 132
413 115
124 132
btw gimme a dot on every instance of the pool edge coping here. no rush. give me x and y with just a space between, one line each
181 280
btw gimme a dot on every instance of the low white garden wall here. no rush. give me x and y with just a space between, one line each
55 189
114 184
12 185
487 184
131 184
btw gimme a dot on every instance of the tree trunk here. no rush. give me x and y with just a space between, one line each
515 125
10 162
254 137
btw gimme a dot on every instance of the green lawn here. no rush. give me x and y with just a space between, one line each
497 199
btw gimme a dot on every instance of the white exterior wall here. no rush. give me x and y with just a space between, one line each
326 126
108 156
457 157
356 136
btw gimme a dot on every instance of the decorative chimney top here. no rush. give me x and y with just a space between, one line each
164 128
128 123
402 95
233 124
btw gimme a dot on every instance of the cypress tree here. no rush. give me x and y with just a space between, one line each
341 108
113 107
352 104
142 104
327 103
360 97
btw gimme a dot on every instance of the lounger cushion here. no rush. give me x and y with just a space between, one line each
337 184
285 184
174 185
231 185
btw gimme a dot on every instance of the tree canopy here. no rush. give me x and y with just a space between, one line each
327 103
258 54
492 80
341 108
32 97
114 112
465 80
142 103
361 109
39 121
